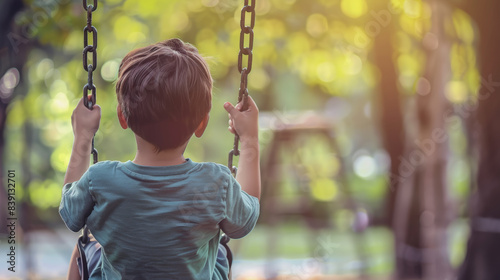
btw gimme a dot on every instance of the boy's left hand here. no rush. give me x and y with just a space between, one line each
85 122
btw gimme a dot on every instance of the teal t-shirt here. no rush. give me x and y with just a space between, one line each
158 222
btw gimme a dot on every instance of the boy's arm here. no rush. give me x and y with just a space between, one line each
246 125
79 161
248 174
85 123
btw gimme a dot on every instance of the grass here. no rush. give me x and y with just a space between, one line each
333 249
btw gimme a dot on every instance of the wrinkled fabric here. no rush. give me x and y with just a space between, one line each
159 222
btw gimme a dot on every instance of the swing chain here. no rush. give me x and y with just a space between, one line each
247 51
90 67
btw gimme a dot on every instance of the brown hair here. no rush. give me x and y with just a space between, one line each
164 91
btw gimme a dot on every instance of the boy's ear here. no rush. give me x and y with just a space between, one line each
121 118
203 125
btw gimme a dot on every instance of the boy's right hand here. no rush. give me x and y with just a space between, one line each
244 123
85 122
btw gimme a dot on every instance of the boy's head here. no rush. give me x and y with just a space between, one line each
164 92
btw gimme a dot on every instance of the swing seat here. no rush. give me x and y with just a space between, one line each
90 252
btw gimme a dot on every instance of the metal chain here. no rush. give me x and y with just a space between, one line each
90 67
245 51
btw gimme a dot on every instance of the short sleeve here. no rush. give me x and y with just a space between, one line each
76 203
242 211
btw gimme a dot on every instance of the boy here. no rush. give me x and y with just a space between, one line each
160 215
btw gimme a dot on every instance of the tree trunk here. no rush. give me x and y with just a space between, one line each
389 107
422 216
11 55
483 248
434 215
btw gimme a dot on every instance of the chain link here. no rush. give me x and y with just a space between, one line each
90 100
86 6
246 51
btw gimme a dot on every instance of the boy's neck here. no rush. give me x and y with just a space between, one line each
148 156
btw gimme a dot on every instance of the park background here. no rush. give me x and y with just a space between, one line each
378 133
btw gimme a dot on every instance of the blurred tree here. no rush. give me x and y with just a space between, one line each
483 248
390 104
424 253
417 196
13 55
